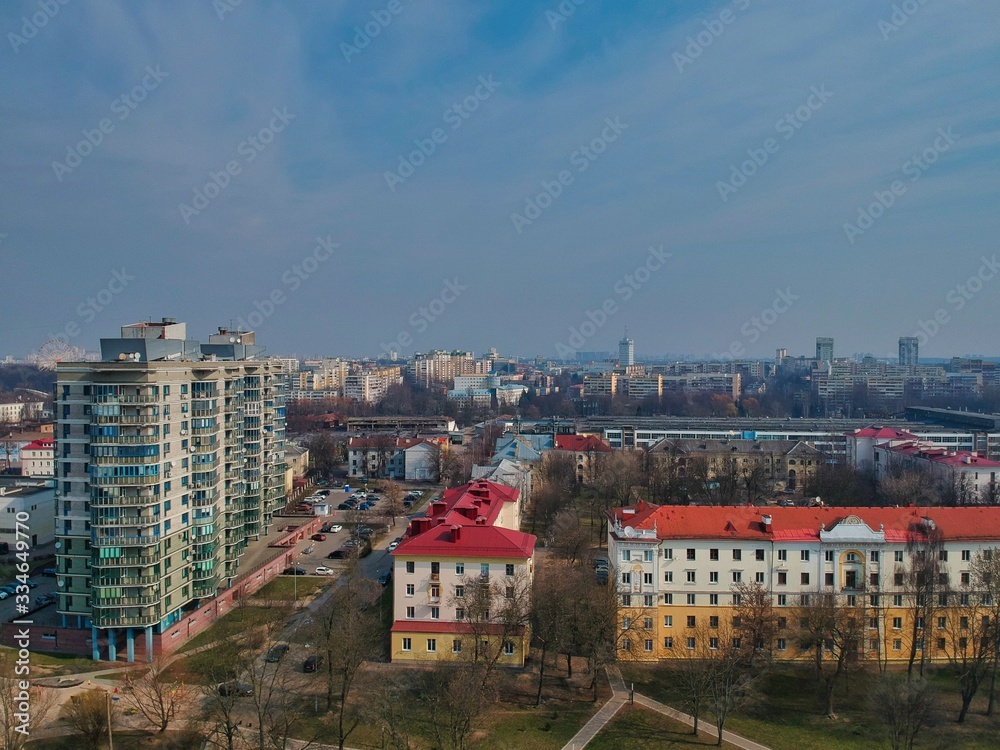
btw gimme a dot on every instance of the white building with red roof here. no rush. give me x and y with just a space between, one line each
37 458
861 443
677 569
462 577
972 477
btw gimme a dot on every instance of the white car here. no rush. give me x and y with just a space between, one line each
322 570
335 528
393 545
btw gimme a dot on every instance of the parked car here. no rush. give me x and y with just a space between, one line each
294 572
318 537
49 572
235 688
312 664
602 575
393 544
10 588
44 600
31 584
373 499
276 652
365 534
322 570
323 493
386 578
601 562
345 506
335 528
3 594
339 554
408 503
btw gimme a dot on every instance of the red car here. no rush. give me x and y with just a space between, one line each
318 537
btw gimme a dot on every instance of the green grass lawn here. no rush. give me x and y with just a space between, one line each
232 623
290 588
789 714
49 665
636 728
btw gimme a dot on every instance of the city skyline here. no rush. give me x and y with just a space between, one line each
375 167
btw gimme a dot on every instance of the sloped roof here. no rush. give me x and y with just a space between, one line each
804 524
582 444
470 540
881 433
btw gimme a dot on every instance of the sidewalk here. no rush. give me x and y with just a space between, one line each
620 694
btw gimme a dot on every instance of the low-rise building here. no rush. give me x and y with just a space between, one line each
679 571
27 512
972 477
462 579
387 457
586 450
36 458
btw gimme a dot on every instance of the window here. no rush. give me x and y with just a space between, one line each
668 577
668 621
759 576
668 599
409 589
940 644
963 623
690 644
737 554
737 576
409 566
648 645
690 576
647 579
759 554
647 623
713 554
897 644
647 600
460 569
804 600
508 648
828 579
460 592
626 600
737 599
713 621
668 554
782 600
713 643
456 646
410 613
435 613
626 645
874 556
897 556
966 555
647 555
713 599
804 555
942 623
782 644
407 644
897 600
873 580
626 555
943 555
627 577
804 579
509 592
782 554
690 600
943 600
828 555
690 553
435 570
484 570
897 623
713 576
435 592
691 620
432 645
668 642
459 613
873 600
782 578
965 578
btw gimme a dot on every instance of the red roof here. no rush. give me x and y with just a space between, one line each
882 433
803 524
462 523
45 444
941 455
582 444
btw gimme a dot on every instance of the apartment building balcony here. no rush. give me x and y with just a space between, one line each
128 541
130 561
136 521
210 499
203 556
203 447
210 430
234 473
125 580
124 501
125 440
126 418
107 619
124 601
205 589
203 520
126 481
202 575
116 399
123 460
210 411
204 466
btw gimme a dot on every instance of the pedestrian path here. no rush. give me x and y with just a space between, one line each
620 695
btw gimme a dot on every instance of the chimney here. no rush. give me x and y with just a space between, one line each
766 520
438 508
456 533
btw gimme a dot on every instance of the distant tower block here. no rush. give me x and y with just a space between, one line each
909 351
626 351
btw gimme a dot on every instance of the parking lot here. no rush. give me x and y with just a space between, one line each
46 585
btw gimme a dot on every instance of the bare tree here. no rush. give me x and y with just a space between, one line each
22 707
558 470
459 698
831 626
692 677
985 578
924 582
386 710
155 696
89 714
727 681
755 622
904 707
555 589
392 491
568 538
968 645
347 633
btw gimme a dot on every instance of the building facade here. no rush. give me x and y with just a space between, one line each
462 579
679 572
169 461
36 458
909 351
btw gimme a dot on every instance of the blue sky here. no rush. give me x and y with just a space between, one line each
698 92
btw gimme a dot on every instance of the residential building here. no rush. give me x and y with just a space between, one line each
626 352
601 384
36 458
400 424
824 350
169 461
441 368
387 457
27 512
678 569
462 579
369 386
972 477
909 351
587 451
508 473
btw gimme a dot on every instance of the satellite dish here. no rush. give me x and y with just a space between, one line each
58 545
232 339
